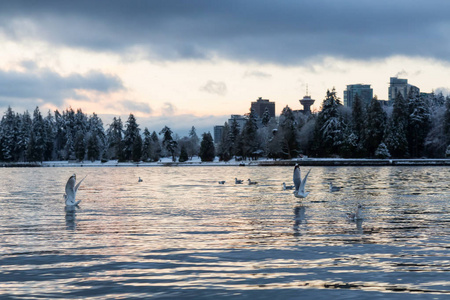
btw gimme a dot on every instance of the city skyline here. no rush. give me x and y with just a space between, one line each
184 64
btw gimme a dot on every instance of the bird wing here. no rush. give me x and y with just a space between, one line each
303 183
78 185
70 192
297 178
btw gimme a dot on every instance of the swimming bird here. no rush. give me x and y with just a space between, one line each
356 215
238 181
71 190
140 179
287 187
334 188
251 182
299 183
222 182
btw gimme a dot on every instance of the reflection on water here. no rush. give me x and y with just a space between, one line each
180 234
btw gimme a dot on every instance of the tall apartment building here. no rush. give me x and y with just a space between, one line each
397 85
364 92
218 131
260 106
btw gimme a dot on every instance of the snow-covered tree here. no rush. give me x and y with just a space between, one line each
193 146
396 130
418 124
382 151
80 146
375 126
207 151
130 144
114 138
9 134
248 140
168 142
155 153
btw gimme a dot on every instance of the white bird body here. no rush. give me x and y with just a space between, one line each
238 181
299 183
334 188
251 182
356 215
71 190
287 187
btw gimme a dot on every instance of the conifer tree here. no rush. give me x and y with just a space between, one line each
207 151
375 126
418 124
114 137
183 154
80 146
290 147
396 130
129 139
248 141
168 142
146 145
155 147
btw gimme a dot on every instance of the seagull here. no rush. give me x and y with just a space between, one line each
222 182
334 188
71 190
299 183
140 179
287 187
251 182
356 215
238 181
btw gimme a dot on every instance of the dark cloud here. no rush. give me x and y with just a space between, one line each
281 32
213 87
52 87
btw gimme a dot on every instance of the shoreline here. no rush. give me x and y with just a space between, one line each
259 163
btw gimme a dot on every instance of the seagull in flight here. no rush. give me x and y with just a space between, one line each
334 188
356 215
71 190
299 183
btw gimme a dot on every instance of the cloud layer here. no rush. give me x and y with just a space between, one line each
281 32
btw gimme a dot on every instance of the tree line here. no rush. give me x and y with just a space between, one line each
412 127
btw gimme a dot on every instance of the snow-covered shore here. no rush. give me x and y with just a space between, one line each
261 162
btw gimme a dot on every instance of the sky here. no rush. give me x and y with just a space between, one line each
183 63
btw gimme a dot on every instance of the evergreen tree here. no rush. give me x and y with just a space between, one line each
24 136
80 146
49 136
194 143
290 147
375 126
396 130
97 132
358 128
129 140
156 147
38 131
207 151
266 117
248 140
183 154
93 147
329 127
446 126
114 138
418 124
225 147
9 133
146 145
168 142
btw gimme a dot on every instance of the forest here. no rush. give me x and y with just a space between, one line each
417 126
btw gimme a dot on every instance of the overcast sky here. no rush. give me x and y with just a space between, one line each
193 63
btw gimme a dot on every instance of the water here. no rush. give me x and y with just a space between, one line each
179 234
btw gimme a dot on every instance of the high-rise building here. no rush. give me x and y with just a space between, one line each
218 131
397 85
364 92
260 106
240 120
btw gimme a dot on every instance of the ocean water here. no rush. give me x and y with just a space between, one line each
181 235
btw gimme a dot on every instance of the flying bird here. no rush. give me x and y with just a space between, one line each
356 215
238 181
287 187
71 190
299 183
334 188
251 182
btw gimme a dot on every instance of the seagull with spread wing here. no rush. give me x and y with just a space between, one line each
299 183
71 190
